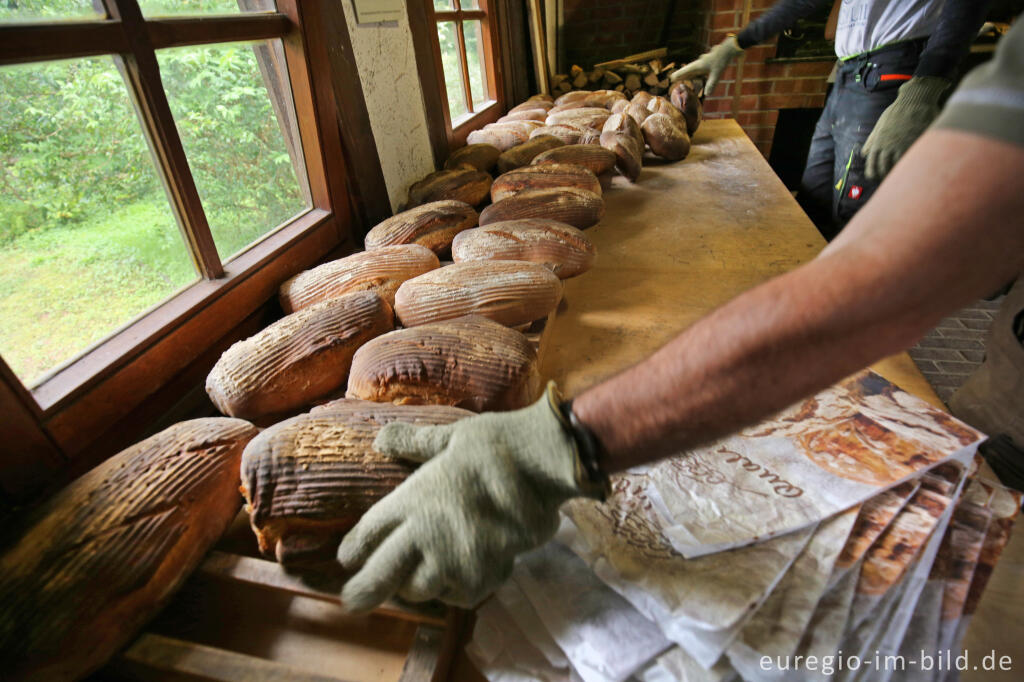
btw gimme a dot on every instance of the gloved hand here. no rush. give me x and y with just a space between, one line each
903 121
711 64
490 490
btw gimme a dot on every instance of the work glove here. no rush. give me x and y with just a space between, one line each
902 122
489 490
710 64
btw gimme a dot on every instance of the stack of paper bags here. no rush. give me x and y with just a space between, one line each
852 522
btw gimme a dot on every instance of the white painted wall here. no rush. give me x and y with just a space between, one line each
387 69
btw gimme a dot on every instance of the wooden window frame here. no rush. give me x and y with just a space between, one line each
69 412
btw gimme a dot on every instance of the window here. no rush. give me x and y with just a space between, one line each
166 163
466 57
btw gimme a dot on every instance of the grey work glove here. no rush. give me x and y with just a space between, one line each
489 490
710 64
903 121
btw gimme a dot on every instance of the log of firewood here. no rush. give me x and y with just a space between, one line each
562 248
96 561
576 207
471 362
511 293
544 176
632 82
432 225
595 158
482 157
522 155
622 136
381 270
309 479
612 79
462 184
666 138
301 358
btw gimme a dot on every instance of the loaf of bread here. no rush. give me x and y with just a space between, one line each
622 136
432 225
660 105
568 106
301 358
503 135
309 479
522 155
619 105
603 98
572 96
590 136
471 362
685 98
577 207
665 137
638 111
527 115
593 157
542 97
511 292
381 270
591 117
482 157
642 97
532 105
468 185
544 176
89 567
568 133
561 248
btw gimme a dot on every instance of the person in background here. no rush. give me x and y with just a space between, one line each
895 61
944 229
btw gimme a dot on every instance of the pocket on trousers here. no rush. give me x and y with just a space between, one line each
854 187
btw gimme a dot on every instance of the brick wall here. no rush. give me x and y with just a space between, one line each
764 87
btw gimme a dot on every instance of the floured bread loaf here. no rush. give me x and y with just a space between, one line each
572 96
604 98
545 176
432 225
479 156
471 362
301 358
577 207
684 97
309 479
503 135
593 117
522 154
531 105
541 97
462 184
506 291
660 105
618 106
96 561
569 133
642 97
562 248
623 137
524 115
666 138
638 111
381 270
593 157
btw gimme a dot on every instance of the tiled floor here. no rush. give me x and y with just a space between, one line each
949 353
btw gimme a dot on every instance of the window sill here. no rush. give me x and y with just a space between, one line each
464 125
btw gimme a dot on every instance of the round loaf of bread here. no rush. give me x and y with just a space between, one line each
544 176
660 105
479 156
623 137
562 248
522 154
301 358
638 111
510 292
470 362
577 207
381 270
603 98
593 117
684 97
461 184
642 97
309 479
666 138
432 225
593 157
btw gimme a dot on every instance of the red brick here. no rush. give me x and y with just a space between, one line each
812 86
815 101
729 74
725 20
784 86
761 4
758 118
752 87
792 101
822 69
712 106
716 37
749 103
759 54
764 147
722 5
753 70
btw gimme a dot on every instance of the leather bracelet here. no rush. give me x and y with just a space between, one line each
589 449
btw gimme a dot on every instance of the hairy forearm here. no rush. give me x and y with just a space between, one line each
917 251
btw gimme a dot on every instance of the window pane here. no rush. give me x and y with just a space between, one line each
87 239
469 4
36 10
475 58
449 40
242 144
156 8
443 5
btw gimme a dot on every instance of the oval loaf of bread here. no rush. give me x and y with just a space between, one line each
88 568
660 105
572 96
622 135
684 97
531 105
544 176
470 362
577 207
503 135
524 115
593 117
462 184
381 270
603 98
522 154
666 138
297 360
507 291
480 156
432 225
593 157
569 133
309 479
562 248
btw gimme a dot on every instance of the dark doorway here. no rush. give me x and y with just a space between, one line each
791 142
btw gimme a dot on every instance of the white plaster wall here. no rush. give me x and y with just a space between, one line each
387 69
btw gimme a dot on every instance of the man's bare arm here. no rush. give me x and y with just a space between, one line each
946 228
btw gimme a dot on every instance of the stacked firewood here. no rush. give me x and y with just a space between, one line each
648 72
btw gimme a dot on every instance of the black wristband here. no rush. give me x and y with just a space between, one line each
589 448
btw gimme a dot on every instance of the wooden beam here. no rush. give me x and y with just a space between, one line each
165 33
30 42
435 105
